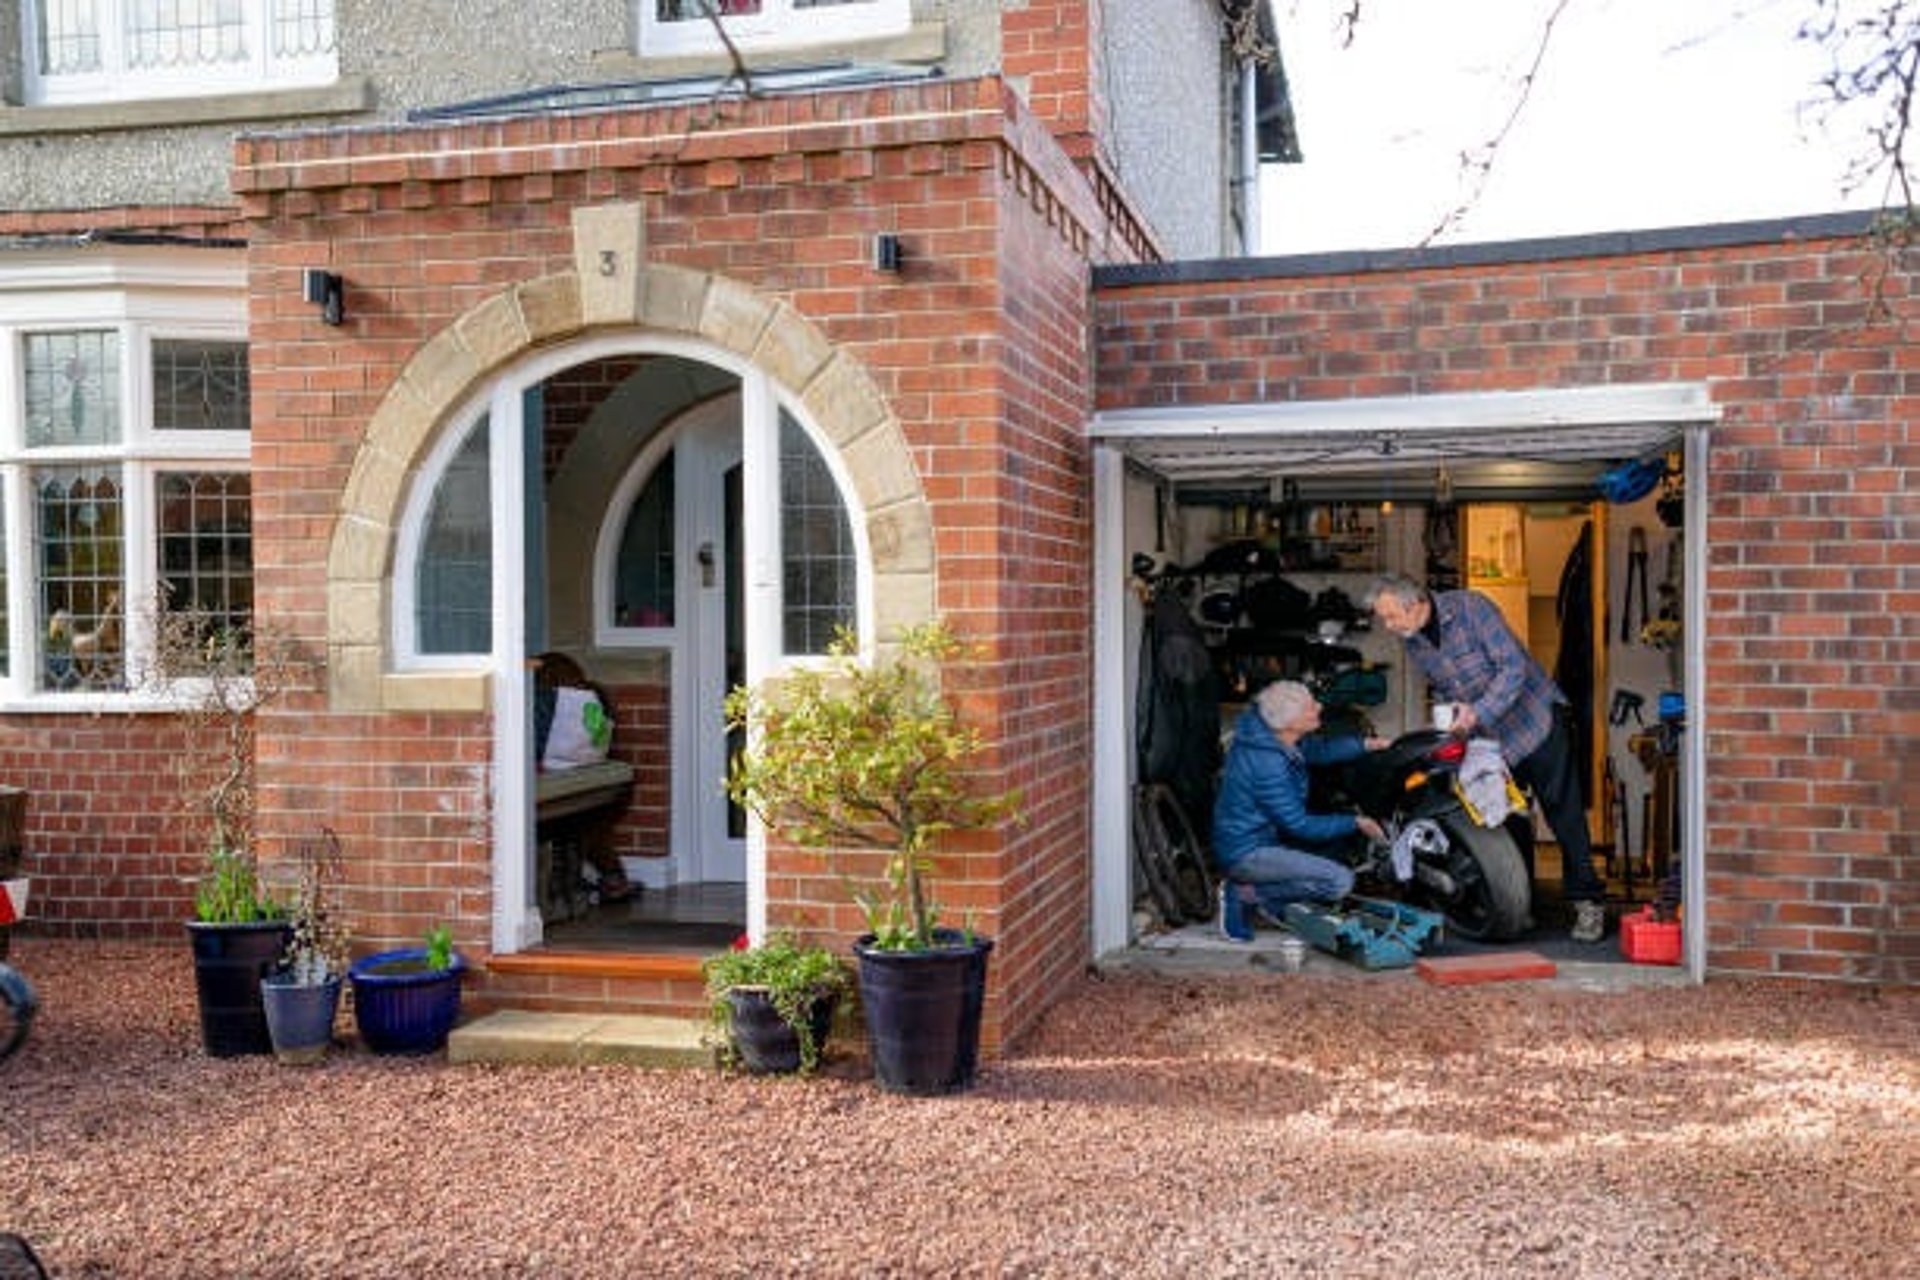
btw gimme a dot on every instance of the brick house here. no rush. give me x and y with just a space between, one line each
740 428
619 371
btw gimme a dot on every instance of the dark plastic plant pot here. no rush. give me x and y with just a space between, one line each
767 1045
923 1011
400 1005
229 960
300 1017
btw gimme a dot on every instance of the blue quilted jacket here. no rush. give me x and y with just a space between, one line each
1263 792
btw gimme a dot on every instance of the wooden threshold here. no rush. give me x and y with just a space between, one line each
600 964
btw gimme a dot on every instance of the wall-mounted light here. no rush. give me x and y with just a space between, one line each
886 252
327 291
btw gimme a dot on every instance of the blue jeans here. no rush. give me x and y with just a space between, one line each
1288 875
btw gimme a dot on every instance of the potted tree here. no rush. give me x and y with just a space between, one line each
772 1005
407 1000
302 996
875 755
216 671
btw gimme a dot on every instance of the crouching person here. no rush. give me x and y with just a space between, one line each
1261 819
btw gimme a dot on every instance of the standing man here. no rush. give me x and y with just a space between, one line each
1474 660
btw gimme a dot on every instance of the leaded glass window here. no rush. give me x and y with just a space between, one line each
818 564
453 580
200 386
72 387
82 550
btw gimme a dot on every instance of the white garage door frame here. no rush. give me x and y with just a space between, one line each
1236 442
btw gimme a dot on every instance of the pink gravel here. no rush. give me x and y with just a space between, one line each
1191 1126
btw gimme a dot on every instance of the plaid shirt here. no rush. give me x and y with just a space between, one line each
1480 661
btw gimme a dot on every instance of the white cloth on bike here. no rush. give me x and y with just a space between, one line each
1484 781
1421 836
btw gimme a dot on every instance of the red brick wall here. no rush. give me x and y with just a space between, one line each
1813 520
105 847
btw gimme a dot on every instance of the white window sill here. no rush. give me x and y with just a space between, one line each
925 42
345 96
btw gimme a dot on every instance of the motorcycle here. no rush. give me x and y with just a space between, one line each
1437 854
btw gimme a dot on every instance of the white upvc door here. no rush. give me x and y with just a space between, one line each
710 648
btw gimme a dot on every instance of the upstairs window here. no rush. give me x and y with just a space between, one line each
120 50
687 26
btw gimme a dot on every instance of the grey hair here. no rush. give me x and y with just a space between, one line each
1282 702
1396 585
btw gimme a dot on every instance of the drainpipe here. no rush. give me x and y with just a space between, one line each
1248 178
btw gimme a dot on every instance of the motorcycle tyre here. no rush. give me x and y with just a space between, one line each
1487 863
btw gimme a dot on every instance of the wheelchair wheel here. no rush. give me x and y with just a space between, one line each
17 1007
1172 862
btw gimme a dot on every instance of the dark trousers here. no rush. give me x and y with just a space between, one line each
1549 774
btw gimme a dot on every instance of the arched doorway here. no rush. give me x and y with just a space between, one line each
788 380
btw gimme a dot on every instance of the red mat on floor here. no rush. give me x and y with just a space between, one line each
1500 966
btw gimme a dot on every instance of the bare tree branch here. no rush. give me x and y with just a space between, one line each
1477 164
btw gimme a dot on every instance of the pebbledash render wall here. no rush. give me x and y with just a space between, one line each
1812 699
955 392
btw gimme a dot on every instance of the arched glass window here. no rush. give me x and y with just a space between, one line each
453 577
643 585
818 580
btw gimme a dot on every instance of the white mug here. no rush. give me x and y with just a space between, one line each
1443 716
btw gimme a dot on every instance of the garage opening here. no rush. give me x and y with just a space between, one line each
1571 510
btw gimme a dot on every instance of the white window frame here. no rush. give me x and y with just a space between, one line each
115 81
780 24
142 296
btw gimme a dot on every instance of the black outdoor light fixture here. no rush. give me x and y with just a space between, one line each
886 252
327 291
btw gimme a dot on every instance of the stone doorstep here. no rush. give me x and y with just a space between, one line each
521 1036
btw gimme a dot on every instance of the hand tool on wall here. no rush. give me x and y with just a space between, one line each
1636 570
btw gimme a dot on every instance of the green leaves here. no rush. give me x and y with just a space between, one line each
870 756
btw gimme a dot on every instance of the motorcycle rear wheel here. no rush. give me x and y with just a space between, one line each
1495 896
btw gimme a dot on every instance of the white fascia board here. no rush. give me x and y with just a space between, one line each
1413 416
93 266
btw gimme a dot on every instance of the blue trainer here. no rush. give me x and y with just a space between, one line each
1233 914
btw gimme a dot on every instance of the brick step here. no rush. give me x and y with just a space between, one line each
525 1036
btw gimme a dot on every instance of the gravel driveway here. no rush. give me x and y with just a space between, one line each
1191 1126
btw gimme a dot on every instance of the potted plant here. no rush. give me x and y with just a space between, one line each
772 1005
407 1000
216 671
875 755
302 996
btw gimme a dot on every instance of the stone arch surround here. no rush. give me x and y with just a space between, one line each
610 289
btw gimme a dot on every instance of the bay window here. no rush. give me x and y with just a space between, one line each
124 487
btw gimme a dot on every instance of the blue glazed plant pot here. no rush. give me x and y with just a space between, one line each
400 1005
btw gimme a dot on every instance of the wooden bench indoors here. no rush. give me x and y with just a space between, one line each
574 809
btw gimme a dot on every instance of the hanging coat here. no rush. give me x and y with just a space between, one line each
1176 709
1573 669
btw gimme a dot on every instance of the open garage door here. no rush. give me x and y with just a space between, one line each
1528 449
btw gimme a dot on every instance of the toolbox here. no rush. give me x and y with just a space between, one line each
1370 932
